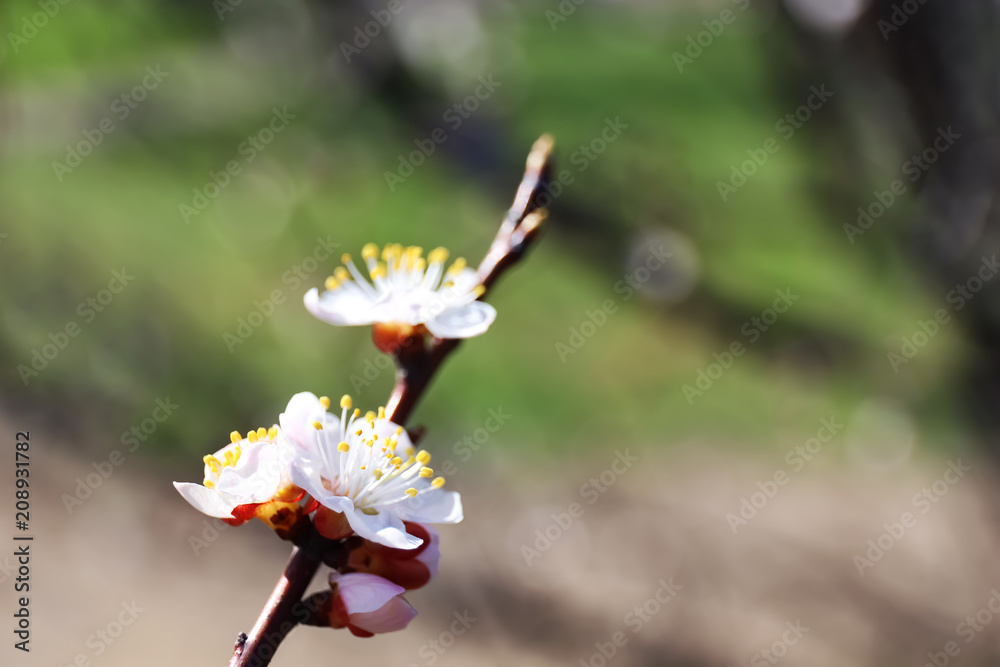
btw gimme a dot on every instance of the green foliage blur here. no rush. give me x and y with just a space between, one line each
322 180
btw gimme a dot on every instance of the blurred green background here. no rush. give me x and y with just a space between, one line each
323 177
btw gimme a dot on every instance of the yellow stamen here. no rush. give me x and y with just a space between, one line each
438 256
209 484
424 457
345 402
272 433
379 271
235 437
456 266
325 402
411 492
478 291
357 411
437 483
358 432
341 274
343 447
381 412
261 433
331 283
251 436
370 251
213 463
369 416
426 472
395 460
377 474
317 426
345 258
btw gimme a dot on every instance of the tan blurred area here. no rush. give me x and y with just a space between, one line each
548 568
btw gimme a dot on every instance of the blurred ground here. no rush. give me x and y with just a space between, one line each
659 526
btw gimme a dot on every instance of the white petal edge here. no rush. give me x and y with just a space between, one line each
394 615
345 306
205 500
362 592
467 321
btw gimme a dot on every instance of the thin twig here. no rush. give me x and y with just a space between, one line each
416 366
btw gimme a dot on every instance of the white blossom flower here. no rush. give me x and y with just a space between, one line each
368 604
407 292
365 468
243 475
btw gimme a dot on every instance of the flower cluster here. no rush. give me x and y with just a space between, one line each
362 481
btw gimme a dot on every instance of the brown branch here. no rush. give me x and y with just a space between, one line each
416 366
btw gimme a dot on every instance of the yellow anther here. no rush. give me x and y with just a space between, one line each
331 283
438 256
426 472
209 484
437 483
377 473
369 416
251 436
395 460
272 433
261 433
411 492
357 411
399 430
370 251
343 447
325 402
362 467
229 459
381 412
358 432
457 266
235 436
341 274
424 457
420 265
345 402
448 283
317 426
478 291
213 463
379 271
410 451
345 258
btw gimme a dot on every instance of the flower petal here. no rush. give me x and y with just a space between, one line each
394 615
206 500
297 424
257 475
362 592
469 320
431 507
385 527
347 305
